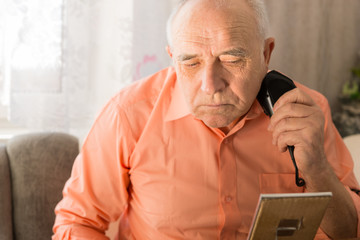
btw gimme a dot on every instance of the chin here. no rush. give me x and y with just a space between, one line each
216 122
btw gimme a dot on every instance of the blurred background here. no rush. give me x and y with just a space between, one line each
62 60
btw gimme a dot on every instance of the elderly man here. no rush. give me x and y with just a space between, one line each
185 153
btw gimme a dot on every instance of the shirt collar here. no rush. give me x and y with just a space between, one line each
178 107
254 111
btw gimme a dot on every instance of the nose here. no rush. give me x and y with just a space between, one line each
212 81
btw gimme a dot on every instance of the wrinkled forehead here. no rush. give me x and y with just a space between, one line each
207 17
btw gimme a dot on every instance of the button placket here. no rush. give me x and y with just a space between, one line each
228 182
228 198
226 140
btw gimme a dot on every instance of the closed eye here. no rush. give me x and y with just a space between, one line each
191 64
232 61
233 56
188 60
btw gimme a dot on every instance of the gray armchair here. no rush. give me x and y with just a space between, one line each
33 171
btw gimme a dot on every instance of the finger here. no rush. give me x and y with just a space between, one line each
306 152
311 125
291 110
295 131
285 139
294 96
289 125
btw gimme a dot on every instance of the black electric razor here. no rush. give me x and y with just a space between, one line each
272 88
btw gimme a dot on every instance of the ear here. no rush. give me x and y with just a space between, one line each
169 51
268 48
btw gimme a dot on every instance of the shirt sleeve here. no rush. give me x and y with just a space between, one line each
96 192
340 158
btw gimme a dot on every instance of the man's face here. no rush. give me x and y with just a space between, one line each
219 58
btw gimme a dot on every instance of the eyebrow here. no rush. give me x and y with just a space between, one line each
237 52
184 57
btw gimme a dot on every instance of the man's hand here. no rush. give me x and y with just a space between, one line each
297 121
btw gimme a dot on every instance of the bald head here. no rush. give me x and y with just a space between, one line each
257 8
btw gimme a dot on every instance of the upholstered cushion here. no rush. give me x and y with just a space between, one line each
40 165
5 196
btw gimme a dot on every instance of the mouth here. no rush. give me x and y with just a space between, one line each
216 105
215 108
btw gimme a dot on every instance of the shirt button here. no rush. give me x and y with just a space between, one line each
228 199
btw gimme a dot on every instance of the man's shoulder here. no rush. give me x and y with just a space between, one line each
134 104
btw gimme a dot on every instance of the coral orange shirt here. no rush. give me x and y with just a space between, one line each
169 176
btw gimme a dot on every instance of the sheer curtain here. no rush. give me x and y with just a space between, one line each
65 58
61 60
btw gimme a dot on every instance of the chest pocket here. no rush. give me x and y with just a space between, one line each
279 183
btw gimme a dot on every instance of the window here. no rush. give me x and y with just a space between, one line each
31 45
30 49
